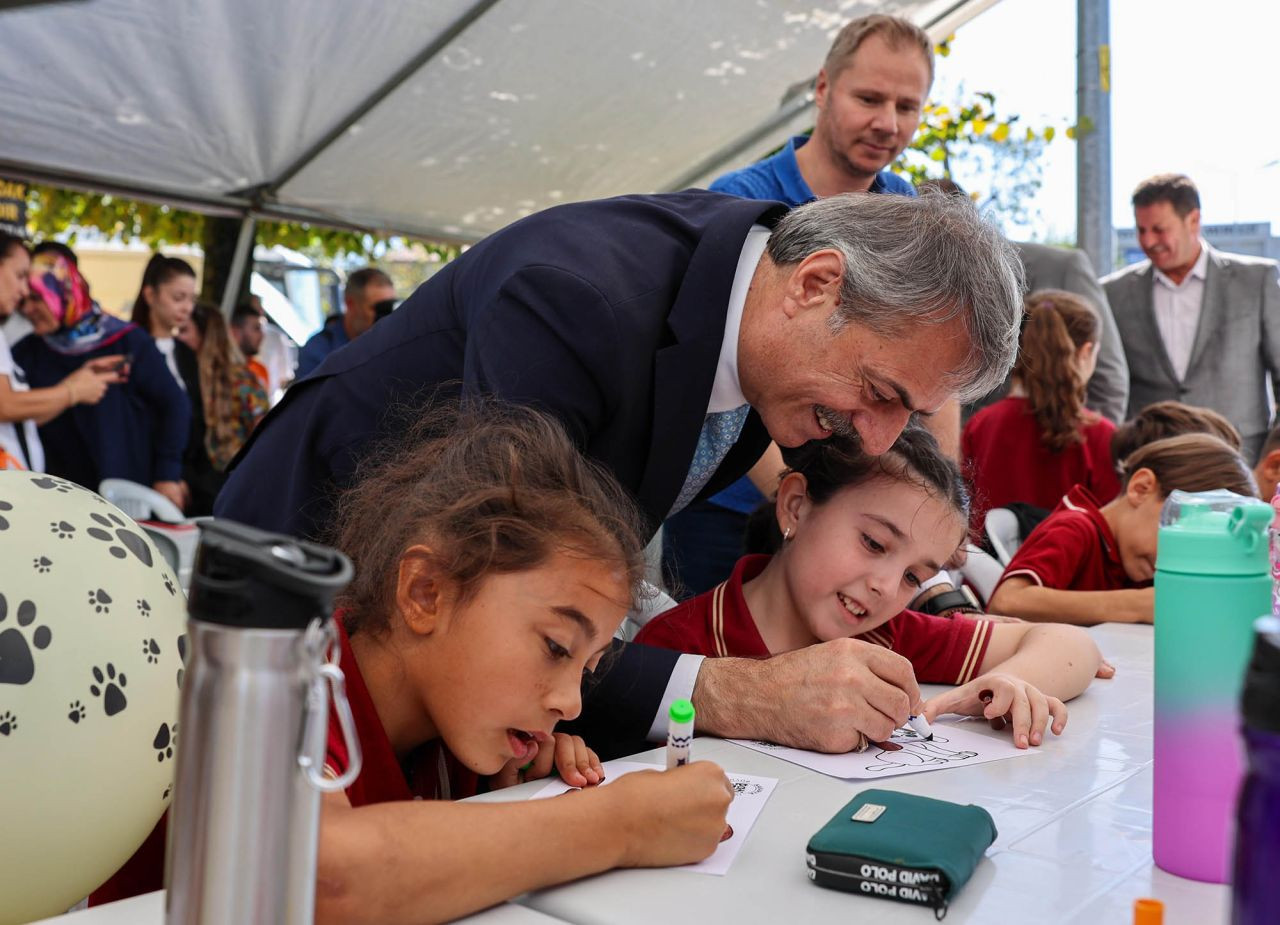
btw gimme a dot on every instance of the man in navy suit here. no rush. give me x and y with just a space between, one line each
644 323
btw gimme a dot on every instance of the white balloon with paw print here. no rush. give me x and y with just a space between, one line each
92 630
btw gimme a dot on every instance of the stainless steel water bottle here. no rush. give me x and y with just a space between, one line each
252 729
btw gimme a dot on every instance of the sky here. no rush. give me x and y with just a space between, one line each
1194 90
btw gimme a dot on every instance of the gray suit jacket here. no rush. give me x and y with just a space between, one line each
1237 342
1069 269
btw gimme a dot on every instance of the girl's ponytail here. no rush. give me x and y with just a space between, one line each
1056 325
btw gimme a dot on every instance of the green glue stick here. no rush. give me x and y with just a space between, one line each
679 733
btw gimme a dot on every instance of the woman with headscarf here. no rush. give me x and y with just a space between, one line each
22 408
138 430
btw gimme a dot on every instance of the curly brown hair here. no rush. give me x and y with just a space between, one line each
1057 324
490 488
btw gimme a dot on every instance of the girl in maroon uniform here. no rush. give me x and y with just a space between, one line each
1092 563
858 534
1034 445
493 565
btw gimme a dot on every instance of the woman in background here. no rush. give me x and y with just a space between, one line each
233 398
138 429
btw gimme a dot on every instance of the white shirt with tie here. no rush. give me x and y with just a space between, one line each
1177 307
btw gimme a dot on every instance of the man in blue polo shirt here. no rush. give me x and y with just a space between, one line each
869 97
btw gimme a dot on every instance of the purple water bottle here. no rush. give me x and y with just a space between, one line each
1255 885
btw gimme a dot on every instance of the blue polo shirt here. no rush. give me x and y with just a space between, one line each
778 177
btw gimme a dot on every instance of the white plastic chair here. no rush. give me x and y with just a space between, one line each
139 501
1003 532
981 571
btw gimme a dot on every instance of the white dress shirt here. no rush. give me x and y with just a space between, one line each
1177 307
726 394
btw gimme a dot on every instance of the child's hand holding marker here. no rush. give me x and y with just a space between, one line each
1004 701
577 765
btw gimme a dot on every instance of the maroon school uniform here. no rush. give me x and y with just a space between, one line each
1072 549
1007 462
719 623
430 773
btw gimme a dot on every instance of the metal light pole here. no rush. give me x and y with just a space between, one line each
1094 234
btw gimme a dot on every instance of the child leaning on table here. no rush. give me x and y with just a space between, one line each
859 534
1089 564
493 564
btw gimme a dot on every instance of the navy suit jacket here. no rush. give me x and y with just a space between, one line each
608 314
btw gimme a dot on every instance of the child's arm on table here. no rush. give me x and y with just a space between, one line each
1029 670
433 861
1019 596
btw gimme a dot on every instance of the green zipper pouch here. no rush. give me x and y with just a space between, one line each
900 846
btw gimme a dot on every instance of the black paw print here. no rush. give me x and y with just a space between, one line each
168 789
144 609
50 483
128 539
42 564
168 586
61 529
164 741
77 711
182 654
100 601
8 723
151 650
16 663
111 690
4 521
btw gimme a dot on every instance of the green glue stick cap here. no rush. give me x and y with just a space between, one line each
681 711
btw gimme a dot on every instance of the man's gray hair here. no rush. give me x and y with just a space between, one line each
917 260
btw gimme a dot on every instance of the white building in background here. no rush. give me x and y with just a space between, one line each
1252 238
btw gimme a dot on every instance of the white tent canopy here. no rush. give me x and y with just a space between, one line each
438 118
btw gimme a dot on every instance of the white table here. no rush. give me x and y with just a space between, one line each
1074 821
149 910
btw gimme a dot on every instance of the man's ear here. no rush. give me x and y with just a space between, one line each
792 503
815 281
422 592
1142 485
820 89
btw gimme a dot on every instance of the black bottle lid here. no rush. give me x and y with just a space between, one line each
1260 702
252 579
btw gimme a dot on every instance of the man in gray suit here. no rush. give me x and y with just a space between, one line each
1069 269
1198 325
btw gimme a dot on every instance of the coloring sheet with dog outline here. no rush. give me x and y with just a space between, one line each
952 747
749 796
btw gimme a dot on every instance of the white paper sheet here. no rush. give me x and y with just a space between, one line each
952 747
749 796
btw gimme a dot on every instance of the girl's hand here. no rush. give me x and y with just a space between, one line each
1004 701
577 765
669 817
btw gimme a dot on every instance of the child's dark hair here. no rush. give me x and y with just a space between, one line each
839 462
1056 326
160 269
1169 419
1192 462
490 488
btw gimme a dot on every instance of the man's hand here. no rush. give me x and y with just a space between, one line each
821 697
177 492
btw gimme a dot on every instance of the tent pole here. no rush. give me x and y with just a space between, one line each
239 263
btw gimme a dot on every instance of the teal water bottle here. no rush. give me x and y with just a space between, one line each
1212 581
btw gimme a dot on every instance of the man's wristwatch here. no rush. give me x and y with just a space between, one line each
959 600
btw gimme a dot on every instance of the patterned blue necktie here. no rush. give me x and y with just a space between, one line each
720 431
